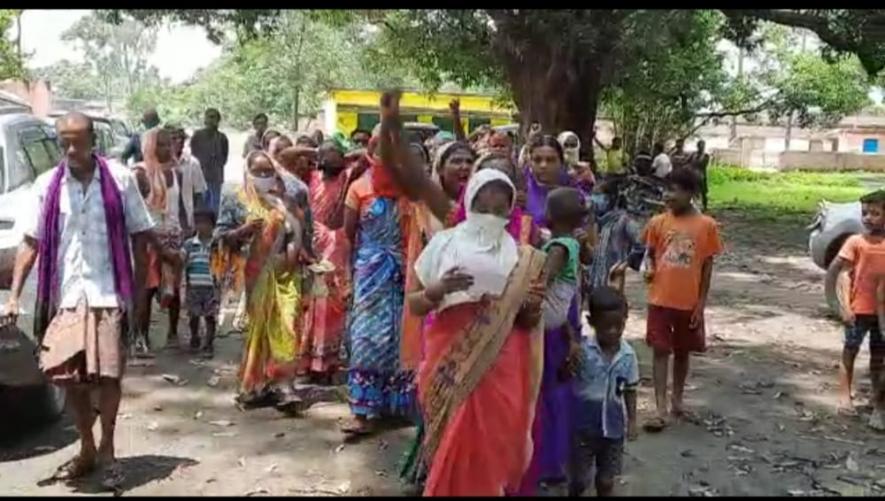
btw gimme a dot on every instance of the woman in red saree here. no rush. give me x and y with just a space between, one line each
479 382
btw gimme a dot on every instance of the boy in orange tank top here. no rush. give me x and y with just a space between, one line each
863 258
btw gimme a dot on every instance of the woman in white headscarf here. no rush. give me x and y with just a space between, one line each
580 172
479 382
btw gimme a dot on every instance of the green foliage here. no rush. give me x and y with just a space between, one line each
72 80
282 75
11 64
780 193
115 60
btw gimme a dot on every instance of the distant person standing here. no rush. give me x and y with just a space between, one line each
661 165
360 137
615 160
699 161
149 119
678 157
253 142
210 146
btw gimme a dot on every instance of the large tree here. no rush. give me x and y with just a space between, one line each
117 53
11 64
556 64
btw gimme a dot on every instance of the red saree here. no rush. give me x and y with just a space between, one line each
478 388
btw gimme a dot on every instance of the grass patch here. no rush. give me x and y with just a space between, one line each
779 195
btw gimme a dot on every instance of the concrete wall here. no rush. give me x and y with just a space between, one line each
799 160
852 141
37 93
828 161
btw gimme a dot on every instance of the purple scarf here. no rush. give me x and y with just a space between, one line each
47 271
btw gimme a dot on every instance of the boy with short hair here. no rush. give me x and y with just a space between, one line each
202 296
681 245
605 392
863 258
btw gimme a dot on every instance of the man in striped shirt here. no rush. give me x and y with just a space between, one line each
202 292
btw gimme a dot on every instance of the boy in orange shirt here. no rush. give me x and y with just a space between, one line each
681 245
863 257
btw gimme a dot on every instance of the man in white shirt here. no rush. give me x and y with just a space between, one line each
85 214
661 165
193 184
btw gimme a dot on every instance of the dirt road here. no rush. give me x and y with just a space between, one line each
764 394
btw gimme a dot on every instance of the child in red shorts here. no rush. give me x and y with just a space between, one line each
863 257
681 245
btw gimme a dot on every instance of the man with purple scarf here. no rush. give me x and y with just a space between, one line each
86 213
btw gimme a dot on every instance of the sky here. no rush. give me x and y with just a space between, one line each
180 50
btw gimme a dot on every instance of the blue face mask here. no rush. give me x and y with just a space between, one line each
600 203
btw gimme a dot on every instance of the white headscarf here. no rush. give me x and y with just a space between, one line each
480 244
572 155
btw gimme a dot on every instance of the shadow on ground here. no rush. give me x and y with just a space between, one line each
28 441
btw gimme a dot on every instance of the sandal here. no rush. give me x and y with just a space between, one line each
655 425
356 426
72 469
112 476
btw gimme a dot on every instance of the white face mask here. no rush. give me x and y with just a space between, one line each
571 155
263 184
489 227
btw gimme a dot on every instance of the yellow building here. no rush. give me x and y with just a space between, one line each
345 110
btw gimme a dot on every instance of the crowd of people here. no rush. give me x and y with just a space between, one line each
448 279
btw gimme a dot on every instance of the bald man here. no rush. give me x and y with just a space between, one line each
85 215
149 119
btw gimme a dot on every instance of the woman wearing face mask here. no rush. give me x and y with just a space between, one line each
259 224
479 382
579 171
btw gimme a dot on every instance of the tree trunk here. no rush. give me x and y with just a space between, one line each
557 102
788 133
740 74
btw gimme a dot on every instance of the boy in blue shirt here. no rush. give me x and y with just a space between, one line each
202 297
606 393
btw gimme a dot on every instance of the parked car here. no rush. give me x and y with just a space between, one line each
420 131
28 147
832 225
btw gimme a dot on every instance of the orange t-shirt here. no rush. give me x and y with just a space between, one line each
867 254
681 245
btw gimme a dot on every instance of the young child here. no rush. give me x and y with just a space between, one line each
606 393
565 209
202 291
566 212
681 244
863 257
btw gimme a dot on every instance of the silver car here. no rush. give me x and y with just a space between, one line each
833 224
28 147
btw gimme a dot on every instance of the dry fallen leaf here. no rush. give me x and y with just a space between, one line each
171 378
257 490
213 381
851 464
339 448
198 415
224 423
272 468
344 487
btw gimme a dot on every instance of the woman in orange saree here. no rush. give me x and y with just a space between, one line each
479 382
